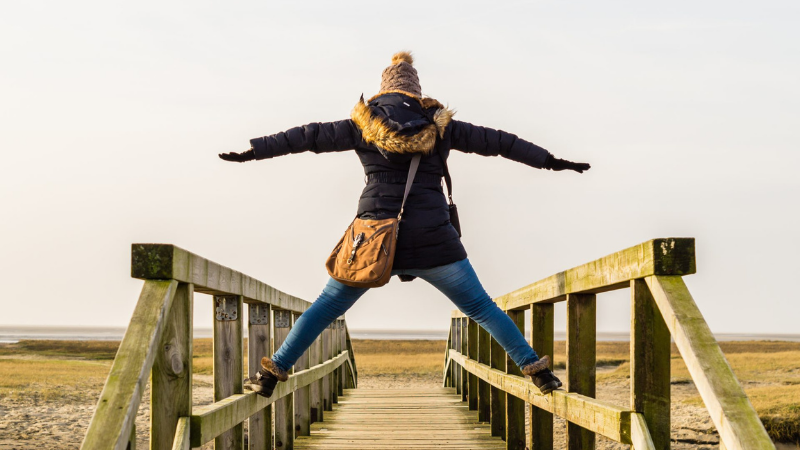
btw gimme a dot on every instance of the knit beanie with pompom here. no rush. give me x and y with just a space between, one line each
401 76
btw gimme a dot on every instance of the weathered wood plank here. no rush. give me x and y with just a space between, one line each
353 368
182 439
484 357
542 334
171 376
601 417
259 345
165 261
284 408
515 406
669 256
650 364
119 402
210 421
731 411
228 362
463 340
581 360
497 397
640 435
315 356
302 398
472 351
327 352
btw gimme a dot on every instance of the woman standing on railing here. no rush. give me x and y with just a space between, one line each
386 132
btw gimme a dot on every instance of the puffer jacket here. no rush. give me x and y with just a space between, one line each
386 132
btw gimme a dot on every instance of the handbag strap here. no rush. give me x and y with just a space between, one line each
412 172
447 180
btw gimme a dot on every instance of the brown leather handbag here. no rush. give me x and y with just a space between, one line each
365 254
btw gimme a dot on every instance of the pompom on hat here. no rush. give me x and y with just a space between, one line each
401 76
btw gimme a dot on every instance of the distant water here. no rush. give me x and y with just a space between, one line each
11 334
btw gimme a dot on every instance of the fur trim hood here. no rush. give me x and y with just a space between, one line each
392 137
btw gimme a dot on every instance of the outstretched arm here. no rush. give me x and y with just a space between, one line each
490 142
319 137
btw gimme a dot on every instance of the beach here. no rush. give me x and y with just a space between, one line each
48 389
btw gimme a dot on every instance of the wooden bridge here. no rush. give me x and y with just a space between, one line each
484 398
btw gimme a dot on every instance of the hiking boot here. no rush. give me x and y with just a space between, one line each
266 378
542 376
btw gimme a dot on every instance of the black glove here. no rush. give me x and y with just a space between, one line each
249 155
557 164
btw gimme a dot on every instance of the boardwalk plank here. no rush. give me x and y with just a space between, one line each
400 418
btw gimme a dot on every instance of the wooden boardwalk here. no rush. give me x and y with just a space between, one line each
400 418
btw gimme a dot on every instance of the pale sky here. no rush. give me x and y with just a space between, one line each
112 115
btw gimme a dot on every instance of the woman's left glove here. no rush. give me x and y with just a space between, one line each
249 155
557 164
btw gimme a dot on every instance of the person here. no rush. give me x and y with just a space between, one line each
386 132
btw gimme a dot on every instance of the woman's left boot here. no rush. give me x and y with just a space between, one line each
266 378
542 376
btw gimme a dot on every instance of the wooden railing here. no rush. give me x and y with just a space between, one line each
158 346
661 308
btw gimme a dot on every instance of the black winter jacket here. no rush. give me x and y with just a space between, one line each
385 133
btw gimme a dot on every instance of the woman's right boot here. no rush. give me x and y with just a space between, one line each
542 376
266 378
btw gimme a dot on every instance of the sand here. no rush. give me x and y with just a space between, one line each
25 424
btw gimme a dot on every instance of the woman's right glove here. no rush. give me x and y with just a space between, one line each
557 164
248 155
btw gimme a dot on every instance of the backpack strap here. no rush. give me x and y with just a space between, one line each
412 172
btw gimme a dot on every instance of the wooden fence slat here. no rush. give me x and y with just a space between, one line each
327 352
315 356
119 402
668 256
595 415
542 335
228 362
484 357
209 421
731 411
581 360
650 364
463 341
284 407
182 439
515 406
353 383
302 398
640 435
497 403
259 344
171 376
472 351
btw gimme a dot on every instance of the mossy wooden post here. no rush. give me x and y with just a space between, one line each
284 407
464 335
171 376
515 406
650 364
484 357
302 397
337 349
228 362
581 360
132 440
453 366
472 353
315 390
327 353
259 345
542 327
342 348
497 404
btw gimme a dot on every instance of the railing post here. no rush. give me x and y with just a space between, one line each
462 331
259 344
484 357
337 374
284 414
327 395
302 399
456 329
228 362
472 353
342 348
581 360
541 437
315 355
515 406
171 376
498 397
650 364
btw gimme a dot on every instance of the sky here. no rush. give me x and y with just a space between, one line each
112 116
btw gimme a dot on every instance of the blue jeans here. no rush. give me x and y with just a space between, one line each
457 281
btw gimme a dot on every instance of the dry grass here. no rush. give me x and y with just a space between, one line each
45 380
399 357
